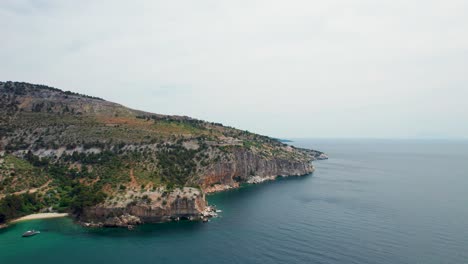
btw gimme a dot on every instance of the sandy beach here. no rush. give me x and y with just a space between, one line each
40 216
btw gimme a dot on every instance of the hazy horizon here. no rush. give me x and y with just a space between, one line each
296 69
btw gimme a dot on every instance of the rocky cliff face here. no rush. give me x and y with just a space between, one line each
247 166
157 206
132 208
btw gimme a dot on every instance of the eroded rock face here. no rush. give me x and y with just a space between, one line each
186 203
122 221
247 166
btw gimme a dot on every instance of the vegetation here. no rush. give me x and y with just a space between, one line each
14 206
21 88
176 164
70 151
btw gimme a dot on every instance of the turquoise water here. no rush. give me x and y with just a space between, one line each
374 201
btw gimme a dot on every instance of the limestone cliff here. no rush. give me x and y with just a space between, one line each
116 166
133 208
244 165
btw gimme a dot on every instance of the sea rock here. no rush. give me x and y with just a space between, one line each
322 156
91 224
258 179
209 212
220 187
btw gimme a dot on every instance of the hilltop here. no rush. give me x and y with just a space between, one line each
111 165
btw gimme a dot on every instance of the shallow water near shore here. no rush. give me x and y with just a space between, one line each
373 201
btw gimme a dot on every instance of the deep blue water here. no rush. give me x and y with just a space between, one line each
373 201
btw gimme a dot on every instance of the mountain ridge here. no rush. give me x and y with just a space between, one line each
115 166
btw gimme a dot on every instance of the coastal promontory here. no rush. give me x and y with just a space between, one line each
109 165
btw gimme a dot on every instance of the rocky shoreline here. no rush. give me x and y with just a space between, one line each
189 204
219 188
258 179
181 208
122 218
185 204
130 221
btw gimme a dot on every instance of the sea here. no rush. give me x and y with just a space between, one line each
374 201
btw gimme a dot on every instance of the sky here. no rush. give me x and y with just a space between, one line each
289 69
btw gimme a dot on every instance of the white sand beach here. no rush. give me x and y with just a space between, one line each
39 216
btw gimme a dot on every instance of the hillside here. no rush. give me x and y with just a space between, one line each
115 166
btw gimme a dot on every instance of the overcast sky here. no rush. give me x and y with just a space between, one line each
295 68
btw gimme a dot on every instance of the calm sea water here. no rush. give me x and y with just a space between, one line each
373 201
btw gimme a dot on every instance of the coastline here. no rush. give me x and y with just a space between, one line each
39 216
205 214
252 180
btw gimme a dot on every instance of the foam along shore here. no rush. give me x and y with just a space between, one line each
39 216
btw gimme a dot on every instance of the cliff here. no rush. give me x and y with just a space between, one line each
248 166
133 208
189 203
112 165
